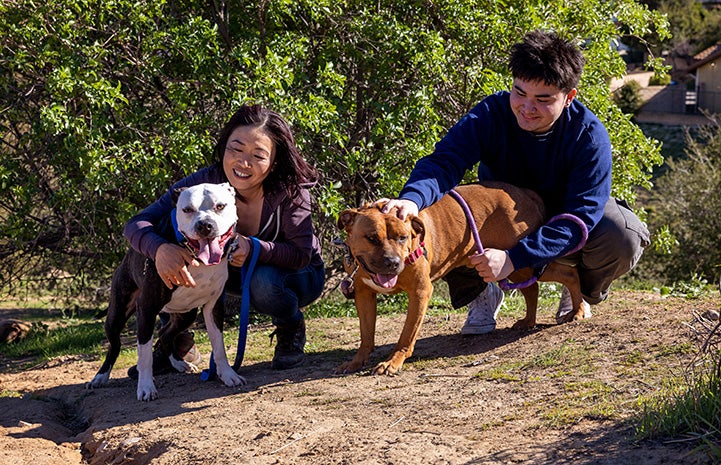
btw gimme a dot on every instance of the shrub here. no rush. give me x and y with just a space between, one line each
628 97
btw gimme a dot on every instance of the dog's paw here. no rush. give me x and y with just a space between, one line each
524 324
386 368
349 367
147 392
231 378
99 380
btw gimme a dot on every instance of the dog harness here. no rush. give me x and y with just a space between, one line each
504 283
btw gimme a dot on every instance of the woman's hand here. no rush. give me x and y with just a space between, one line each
403 207
171 262
493 265
241 251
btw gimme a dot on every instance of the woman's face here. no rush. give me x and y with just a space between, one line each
248 159
537 105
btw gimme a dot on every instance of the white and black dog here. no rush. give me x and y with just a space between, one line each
205 215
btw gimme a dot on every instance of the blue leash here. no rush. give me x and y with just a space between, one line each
246 272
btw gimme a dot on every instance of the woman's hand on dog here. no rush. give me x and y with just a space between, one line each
241 251
492 265
171 262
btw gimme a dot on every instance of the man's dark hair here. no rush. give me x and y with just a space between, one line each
544 56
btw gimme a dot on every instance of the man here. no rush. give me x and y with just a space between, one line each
539 137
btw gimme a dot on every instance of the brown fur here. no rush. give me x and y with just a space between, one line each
379 243
13 330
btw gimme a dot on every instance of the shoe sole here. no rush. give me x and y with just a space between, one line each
477 330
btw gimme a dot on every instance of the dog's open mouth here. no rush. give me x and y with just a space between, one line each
210 250
386 281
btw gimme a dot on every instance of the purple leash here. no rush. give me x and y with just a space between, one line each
504 283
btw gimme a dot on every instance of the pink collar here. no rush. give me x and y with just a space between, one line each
416 254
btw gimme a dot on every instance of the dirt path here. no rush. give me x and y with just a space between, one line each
558 394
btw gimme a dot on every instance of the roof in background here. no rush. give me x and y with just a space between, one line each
705 56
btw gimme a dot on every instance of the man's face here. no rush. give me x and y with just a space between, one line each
537 105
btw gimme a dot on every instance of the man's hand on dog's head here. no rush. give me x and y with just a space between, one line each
171 262
403 208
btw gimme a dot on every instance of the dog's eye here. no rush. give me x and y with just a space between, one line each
373 240
219 207
402 240
188 210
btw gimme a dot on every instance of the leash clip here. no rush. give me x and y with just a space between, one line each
347 285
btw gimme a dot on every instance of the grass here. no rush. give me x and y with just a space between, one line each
71 337
690 409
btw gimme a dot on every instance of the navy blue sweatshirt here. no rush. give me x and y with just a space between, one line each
569 167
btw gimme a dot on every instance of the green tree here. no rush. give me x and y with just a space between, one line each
687 200
693 26
105 103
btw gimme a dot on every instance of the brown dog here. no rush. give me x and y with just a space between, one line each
388 256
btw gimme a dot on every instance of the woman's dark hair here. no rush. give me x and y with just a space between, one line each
290 169
546 57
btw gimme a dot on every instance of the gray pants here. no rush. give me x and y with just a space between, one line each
613 248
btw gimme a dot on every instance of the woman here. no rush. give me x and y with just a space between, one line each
256 153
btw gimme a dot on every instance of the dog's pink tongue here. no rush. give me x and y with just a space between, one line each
386 280
209 251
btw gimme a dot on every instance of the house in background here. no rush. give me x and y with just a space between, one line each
701 94
706 67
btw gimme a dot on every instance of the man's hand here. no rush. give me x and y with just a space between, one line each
171 262
403 208
493 265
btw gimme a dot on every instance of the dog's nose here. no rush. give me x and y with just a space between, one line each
204 228
392 263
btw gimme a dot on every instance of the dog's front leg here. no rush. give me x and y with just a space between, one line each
145 322
418 300
366 306
146 386
225 372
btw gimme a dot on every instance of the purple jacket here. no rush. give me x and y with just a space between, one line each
286 236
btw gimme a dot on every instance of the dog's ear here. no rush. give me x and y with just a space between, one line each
231 189
346 217
418 227
176 193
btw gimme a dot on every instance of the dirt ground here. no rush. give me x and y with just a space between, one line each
557 394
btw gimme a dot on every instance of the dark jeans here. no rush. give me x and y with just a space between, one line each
613 249
280 292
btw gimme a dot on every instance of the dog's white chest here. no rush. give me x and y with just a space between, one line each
209 283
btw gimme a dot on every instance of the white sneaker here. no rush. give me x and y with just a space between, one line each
565 306
482 311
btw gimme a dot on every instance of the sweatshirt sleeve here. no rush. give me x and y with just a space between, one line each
436 174
588 190
141 230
